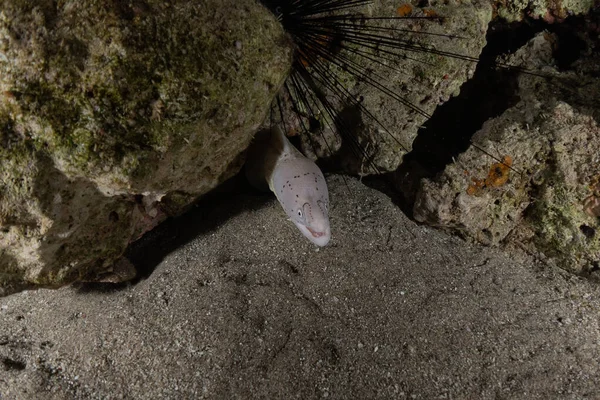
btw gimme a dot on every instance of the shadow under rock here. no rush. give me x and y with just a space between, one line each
211 211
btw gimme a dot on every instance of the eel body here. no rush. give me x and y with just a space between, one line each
297 182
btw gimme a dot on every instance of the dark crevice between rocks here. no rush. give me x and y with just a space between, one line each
576 37
489 93
448 132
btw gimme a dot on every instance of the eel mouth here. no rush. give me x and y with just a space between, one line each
319 238
315 233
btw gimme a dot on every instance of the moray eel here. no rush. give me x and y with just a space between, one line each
296 181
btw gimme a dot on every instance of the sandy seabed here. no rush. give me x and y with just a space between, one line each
235 303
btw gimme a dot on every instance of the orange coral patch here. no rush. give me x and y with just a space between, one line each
497 176
475 187
404 10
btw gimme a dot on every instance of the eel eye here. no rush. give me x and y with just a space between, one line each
300 212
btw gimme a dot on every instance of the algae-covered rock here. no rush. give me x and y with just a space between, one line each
109 108
548 10
531 177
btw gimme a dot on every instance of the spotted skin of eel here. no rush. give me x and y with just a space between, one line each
295 180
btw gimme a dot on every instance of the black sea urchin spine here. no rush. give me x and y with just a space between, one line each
330 33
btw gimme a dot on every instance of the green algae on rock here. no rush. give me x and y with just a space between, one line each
107 87
548 10
107 107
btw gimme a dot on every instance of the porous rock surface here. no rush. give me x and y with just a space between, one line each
549 10
114 115
532 177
